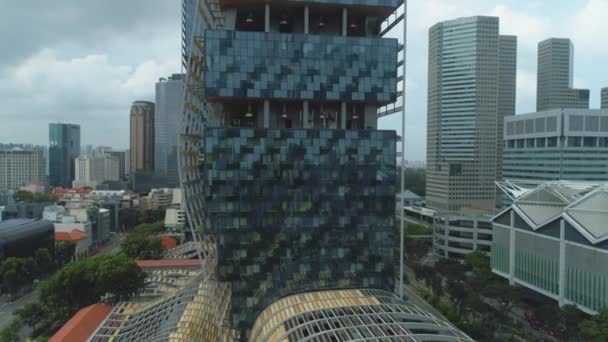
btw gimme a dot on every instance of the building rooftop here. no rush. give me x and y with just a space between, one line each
74 235
584 205
348 315
83 324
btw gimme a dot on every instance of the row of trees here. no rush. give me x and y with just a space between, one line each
132 217
482 303
33 197
79 284
18 272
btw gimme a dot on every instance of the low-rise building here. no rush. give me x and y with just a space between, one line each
553 240
21 237
455 234
76 236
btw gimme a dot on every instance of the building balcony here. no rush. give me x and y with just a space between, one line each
294 66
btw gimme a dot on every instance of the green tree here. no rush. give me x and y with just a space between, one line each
18 272
479 263
153 216
503 293
415 249
596 328
129 217
84 282
452 270
10 333
139 246
147 229
43 259
64 252
414 180
30 197
32 314
458 292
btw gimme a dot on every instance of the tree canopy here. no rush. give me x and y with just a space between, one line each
84 282
64 252
596 328
33 197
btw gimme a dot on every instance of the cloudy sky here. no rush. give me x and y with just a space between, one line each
84 62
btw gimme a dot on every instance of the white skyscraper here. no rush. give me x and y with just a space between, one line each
472 72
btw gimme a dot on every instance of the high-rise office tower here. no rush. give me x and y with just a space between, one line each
555 77
123 157
604 96
472 71
64 148
169 98
294 190
21 165
142 136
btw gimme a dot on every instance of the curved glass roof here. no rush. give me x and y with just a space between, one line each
348 315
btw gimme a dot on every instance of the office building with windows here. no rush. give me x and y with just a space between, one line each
557 144
20 166
555 76
63 150
604 98
467 101
282 166
169 98
142 136
91 171
124 159
553 240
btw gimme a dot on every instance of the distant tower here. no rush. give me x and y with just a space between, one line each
467 102
142 136
555 75
169 96
64 148
605 98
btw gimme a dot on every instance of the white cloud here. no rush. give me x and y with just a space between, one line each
529 29
590 26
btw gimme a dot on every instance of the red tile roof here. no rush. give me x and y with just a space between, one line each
74 235
64 191
168 242
82 325
168 263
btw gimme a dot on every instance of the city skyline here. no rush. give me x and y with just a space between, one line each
125 67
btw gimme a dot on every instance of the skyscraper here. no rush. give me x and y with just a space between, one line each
123 157
604 98
91 171
467 101
294 189
142 136
64 148
169 97
555 77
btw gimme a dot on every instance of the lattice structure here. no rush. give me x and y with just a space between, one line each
349 315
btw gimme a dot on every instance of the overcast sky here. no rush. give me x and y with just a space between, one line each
84 62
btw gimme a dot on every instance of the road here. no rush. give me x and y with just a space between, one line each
8 308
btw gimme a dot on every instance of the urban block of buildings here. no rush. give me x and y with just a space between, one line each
553 240
91 171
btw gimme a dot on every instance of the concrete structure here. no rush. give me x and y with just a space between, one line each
142 136
467 101
555 76
21 237
94 221
93 170
604 98
455 234
169 98
350 315
76 236
558 144
124 160
19 166
64 148
25 210
410 199
279 130
553 240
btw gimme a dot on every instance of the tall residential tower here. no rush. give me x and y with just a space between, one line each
169 97
472 71
63 150
555 77
142 136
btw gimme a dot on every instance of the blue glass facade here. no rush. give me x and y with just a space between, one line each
298 210
298 66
